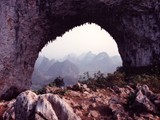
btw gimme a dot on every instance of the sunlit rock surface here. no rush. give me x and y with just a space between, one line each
81 102
29 106
27 25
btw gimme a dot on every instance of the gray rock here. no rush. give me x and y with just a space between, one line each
9 114
29 106
44 110
61 108
25 105
143 103
117 109
27 25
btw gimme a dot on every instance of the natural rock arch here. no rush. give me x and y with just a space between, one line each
27 25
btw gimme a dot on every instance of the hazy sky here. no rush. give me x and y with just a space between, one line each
88 37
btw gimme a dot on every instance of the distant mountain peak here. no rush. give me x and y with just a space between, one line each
89 53
103 53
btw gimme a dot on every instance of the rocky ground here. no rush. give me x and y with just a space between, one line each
80 102
115 103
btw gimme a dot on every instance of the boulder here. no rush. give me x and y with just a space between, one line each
117 109
61 108
25 24
143 103
93 113
9 114
44 110
25 105
80 87
29 106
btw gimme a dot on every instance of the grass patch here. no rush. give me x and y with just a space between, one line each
120 79
101 81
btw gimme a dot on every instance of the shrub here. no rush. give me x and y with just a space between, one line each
120 79
40 91
99 80
58 82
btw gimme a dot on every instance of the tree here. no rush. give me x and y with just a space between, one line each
58 82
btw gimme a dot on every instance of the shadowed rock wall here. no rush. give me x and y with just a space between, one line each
27 25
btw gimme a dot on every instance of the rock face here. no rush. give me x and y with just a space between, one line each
112 103
29 106
26 26
115 103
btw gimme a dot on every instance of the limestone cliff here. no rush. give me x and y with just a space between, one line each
27 25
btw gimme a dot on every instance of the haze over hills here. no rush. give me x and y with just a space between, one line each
71 67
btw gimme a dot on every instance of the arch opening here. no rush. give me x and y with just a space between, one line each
84 49
27 26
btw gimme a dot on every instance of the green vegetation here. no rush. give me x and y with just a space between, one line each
58 91
58 82
153 81
131 99
120 78
40 91
101 81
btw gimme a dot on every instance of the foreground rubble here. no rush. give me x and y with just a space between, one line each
80 102
29 106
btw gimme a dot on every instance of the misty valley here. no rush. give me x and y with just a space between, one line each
72 68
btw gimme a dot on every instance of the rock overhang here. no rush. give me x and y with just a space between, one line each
26 26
